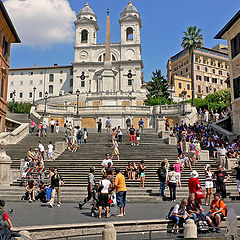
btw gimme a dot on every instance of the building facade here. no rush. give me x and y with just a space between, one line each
31 84
211 69
8 35
231 33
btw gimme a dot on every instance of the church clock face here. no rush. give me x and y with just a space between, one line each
129 54
83 54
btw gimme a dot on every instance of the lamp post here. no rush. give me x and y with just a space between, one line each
45 100
34 91
13 100
183 94
78 93
160 95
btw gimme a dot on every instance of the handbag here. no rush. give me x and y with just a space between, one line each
200 194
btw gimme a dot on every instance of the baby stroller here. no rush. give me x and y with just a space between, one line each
95 205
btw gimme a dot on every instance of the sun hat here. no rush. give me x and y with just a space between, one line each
207 166
194 173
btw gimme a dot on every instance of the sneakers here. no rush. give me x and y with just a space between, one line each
80 205
50 205
213 229
218 230
59 205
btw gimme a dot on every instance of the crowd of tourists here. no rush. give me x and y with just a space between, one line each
211 115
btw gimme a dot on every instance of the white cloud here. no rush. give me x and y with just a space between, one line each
42 23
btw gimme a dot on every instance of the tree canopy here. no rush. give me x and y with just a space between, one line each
158 83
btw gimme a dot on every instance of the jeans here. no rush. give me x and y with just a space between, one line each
79 141
162 188
172 188
194 216
175 219
121 199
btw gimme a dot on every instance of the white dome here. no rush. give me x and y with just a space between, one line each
130 8
86 11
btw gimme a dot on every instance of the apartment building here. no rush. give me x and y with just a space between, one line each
231 33
8 35
31 83
211 69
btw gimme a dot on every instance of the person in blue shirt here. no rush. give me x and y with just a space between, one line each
140 124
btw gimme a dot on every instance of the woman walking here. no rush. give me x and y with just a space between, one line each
180 147
177 168
85 135
194 185
208 184
142 168
171 180
115 151
134 170
138 136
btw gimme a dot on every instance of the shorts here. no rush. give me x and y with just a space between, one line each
49 154
209 184
103 200
132 138
116 151
178 176
121 198
192 154
220 214
44 130
138 138
142 174
238 185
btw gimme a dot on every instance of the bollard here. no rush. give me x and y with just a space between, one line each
109 232
190 230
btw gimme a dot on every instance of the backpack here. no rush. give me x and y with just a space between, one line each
226 211
161 174
3 224
169 214
79 134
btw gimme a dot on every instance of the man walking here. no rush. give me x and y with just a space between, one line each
162 173
121 191
132 135
141 124
99 123
128 122
52 125
91 188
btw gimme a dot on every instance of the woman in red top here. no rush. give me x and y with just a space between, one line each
194 185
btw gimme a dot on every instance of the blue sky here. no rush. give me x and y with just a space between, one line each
163 24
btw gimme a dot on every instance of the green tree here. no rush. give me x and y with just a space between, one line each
19 107
192 40
158 83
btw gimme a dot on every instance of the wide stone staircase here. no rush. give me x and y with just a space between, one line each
74 167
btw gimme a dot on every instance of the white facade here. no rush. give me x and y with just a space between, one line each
56 81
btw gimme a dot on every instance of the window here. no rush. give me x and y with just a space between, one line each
21 83
206 69
220 72
199 89
30 82
204 61
41 72
12 74
51 77
71 71
50 89
181 72
206 78
82 83
180 85
31 73
100 58
186 69
214 80
207 89
30 94
221 81
41 82
129 33
2 86
71 83
236 87
226 66
61 81
188 86
198 67
113 58
199 77
21 73
5 50
129 82
11 83
61 72
20 95
40 94
213 71
11 95
235 45
84 36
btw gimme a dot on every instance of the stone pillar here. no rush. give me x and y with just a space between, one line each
204 155
60 146
160 124
190 230
172 141
5 169
109 232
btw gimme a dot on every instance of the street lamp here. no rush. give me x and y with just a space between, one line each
34 90
45 100
13 100
183 94
160 95
78 93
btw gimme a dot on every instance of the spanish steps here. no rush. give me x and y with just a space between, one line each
74 167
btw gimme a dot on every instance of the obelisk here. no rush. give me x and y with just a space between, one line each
108 83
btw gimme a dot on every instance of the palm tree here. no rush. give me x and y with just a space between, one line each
192 40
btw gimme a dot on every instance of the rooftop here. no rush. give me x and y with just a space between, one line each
33 68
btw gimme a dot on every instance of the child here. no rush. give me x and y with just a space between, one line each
4 215
115 151
85 135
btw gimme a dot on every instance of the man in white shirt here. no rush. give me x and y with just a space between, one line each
52 124
50 151
75 132
106 160
222 156
41 148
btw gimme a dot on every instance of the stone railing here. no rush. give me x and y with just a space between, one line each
34 115
16 135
